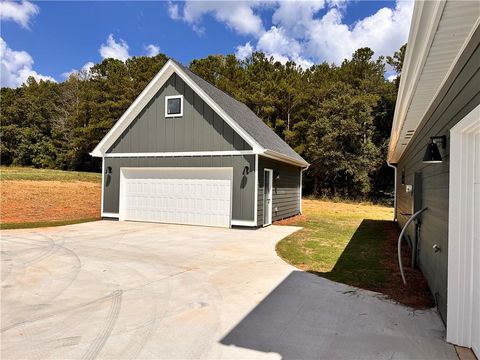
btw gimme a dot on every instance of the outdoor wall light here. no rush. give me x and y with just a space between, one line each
246 170
276 175
432 154
108 170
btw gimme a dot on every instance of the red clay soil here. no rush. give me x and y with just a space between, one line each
416 293
36 201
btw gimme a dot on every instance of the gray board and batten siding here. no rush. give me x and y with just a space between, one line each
199 129
286 189
243 187
458 97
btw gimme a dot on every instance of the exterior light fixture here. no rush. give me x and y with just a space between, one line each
108 170
276 175
432 154
246 170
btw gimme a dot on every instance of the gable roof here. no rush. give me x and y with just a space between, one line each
250 127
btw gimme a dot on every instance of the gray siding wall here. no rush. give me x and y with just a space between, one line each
458 97
243 185
199 129
285 189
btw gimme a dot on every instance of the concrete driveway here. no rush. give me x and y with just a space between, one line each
116 290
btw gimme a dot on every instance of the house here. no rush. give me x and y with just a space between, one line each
435 147
186 152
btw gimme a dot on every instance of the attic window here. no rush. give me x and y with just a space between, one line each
174 106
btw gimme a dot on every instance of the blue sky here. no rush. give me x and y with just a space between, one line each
49 39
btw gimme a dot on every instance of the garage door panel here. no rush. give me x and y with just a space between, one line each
177 197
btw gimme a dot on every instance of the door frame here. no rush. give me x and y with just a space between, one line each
461 230
269 210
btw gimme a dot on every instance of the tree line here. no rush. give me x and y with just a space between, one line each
337 117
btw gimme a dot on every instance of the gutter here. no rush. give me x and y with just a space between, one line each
278 156
394 167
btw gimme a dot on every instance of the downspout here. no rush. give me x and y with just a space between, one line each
395 191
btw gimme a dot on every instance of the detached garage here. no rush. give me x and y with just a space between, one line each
186 152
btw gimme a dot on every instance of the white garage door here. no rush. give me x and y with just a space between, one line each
194 196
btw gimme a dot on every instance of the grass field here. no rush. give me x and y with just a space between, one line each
38 197
354 244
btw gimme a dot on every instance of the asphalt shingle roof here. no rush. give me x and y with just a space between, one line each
244 117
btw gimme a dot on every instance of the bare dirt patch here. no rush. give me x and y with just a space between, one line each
36 201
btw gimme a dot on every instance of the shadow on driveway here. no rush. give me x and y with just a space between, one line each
308 317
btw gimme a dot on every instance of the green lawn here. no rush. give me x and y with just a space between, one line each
25 173
38 224
342 242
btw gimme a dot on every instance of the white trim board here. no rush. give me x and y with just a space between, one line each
243 223
110 215
463 254
149 92
169 97
180 154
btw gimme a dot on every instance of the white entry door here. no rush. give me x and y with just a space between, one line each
267 196
193 196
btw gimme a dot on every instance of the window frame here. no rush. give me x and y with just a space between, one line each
167 115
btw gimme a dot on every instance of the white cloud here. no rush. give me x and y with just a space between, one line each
85 70
305 31
152 50
392 77
237 15
384 32
113 49
173 11
20 12
16 67
243 51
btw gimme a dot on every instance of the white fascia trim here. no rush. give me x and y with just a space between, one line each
110 215
284 158
415 59
148 93
133 110
180 154
243 223
250 140
166 106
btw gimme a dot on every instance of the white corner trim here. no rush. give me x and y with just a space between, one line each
149 92
243 223
108 214
167 115
461 222
103 186
300 190
255 204
180 154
